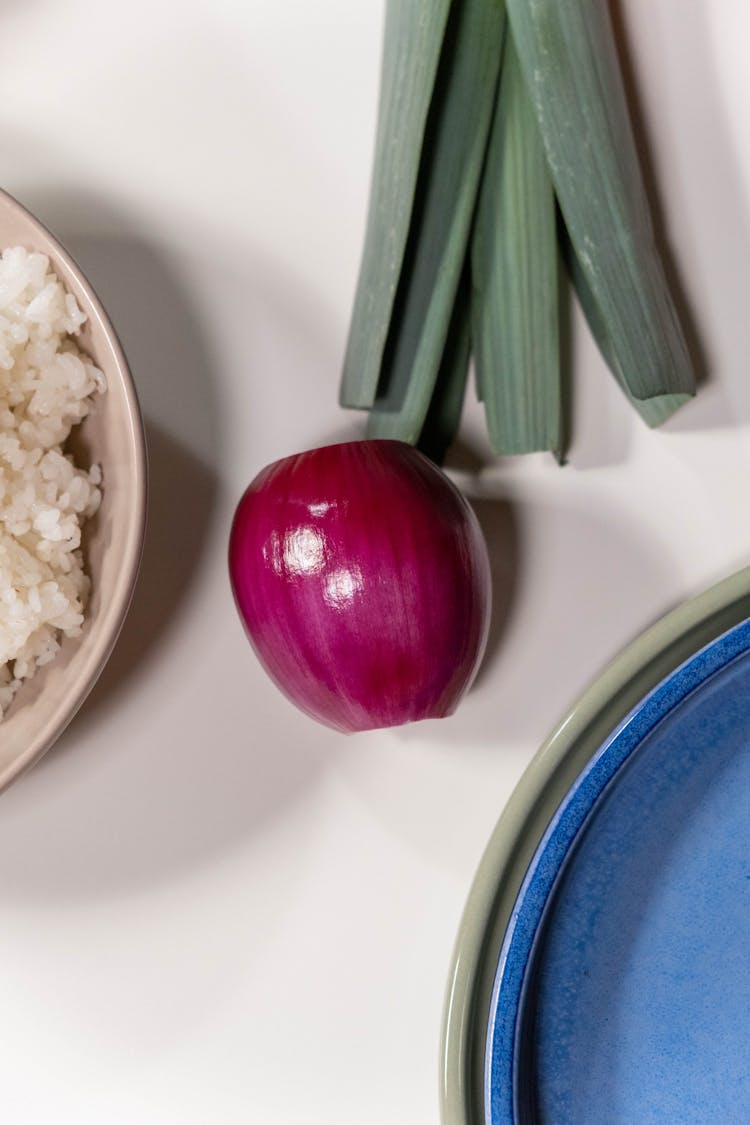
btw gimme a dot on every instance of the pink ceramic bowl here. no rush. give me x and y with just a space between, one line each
112 436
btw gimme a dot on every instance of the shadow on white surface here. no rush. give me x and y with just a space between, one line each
9 8
498 521
173 367
119 818
714 274
588 581
177 535
183 750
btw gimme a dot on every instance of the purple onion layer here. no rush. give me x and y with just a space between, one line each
362 578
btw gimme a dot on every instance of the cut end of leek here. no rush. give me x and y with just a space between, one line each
654 410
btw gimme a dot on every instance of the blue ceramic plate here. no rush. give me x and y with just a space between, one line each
622 992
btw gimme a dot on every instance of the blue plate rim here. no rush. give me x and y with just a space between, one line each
550 855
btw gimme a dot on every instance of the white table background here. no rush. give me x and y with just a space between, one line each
211 909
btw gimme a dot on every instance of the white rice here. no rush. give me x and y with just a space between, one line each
46 388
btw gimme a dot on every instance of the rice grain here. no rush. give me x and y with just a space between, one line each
47 386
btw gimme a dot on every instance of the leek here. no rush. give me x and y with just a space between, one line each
515 283
569 60
486 126
455 148
444 415
413 39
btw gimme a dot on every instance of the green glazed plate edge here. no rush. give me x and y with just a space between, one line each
603 705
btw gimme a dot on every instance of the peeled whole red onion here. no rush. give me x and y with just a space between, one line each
363 580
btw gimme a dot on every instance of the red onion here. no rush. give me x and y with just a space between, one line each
362 577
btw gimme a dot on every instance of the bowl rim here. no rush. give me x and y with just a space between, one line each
601 708
114 613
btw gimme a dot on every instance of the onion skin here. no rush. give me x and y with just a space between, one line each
363 580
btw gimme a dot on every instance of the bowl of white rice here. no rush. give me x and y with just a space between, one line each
72 489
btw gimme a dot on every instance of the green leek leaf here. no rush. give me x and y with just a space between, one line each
569 60
454 151
654 411
515 279
444 415
413 38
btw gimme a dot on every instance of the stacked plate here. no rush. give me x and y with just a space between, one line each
602 971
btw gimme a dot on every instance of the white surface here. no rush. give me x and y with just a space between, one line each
212 910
